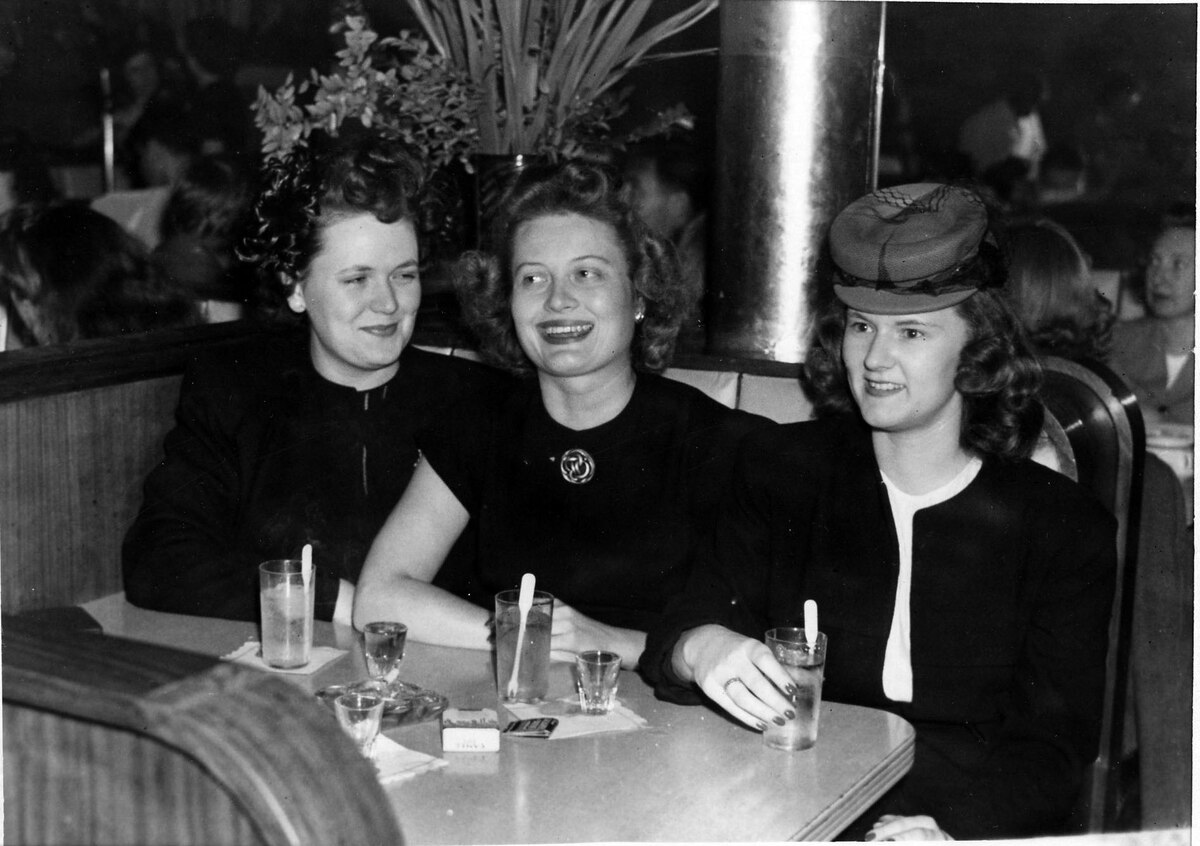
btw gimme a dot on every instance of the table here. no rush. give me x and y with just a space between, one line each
693 775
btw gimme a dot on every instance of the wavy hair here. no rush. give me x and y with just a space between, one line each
86 276
998 375
484 282
1051 293
303 193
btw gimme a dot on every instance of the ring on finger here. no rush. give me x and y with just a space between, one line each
725 687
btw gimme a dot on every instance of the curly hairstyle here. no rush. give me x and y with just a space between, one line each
87 277
308 190
998 374
484 282
1051 293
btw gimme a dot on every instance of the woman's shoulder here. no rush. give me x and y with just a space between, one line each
1045 492
700 410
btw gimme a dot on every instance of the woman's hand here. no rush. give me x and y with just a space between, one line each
574 632
892 827
738 673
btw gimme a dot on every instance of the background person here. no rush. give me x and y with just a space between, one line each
1051 291
68 273
1155 354
594 473
206 216
961 585
304 435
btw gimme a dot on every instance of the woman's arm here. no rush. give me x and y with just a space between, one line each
407 553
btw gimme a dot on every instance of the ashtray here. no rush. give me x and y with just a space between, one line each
403 703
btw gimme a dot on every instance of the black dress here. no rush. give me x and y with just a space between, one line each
615 547
265 456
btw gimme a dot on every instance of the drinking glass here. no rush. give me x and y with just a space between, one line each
286 601
596 677
359 714
383 648
804 661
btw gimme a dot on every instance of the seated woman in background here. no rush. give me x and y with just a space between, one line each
69 273
1051 292
961 585
304 435
596 474
1155 354
206 215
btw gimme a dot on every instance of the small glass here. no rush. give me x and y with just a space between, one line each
805 663
383 649
597 675
359 715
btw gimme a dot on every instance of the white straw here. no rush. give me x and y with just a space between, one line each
306 564
810 621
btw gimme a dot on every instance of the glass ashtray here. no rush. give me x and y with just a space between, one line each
403 703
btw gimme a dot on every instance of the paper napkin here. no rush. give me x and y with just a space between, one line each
395 762
250 654
573 723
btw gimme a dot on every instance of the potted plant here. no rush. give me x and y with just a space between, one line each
495 82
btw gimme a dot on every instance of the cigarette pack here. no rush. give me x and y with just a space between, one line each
470 730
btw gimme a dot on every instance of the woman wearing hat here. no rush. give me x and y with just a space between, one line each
961 585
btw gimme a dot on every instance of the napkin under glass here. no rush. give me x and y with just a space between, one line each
250 655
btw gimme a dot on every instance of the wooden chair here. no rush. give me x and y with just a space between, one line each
1102 421
117 742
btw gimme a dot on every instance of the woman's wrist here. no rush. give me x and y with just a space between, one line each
683 660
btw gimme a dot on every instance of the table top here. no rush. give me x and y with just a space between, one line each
692 775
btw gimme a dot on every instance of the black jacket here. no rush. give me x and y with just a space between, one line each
266 456
1012 586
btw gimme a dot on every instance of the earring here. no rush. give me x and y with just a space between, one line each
637 318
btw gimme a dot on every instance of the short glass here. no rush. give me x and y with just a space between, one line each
805 663
532 681
383 648
597 675
286 603
359 715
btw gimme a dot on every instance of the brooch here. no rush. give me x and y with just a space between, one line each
577 467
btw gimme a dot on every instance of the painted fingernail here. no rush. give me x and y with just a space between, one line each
869 836
761 726
792 690
779 721
791 715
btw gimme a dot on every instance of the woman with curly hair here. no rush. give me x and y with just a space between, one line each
305 434
595 474
1051 292
961 585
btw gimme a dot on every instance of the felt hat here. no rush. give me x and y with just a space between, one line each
899 250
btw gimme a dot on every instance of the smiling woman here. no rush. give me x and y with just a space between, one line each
596 475
305 435
961 585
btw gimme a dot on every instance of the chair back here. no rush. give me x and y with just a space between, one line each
111 741
1102 421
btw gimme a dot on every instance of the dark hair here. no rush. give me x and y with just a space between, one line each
1051 293
484 283
307 190
87 275
679 163
206 214
998 375
213 198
